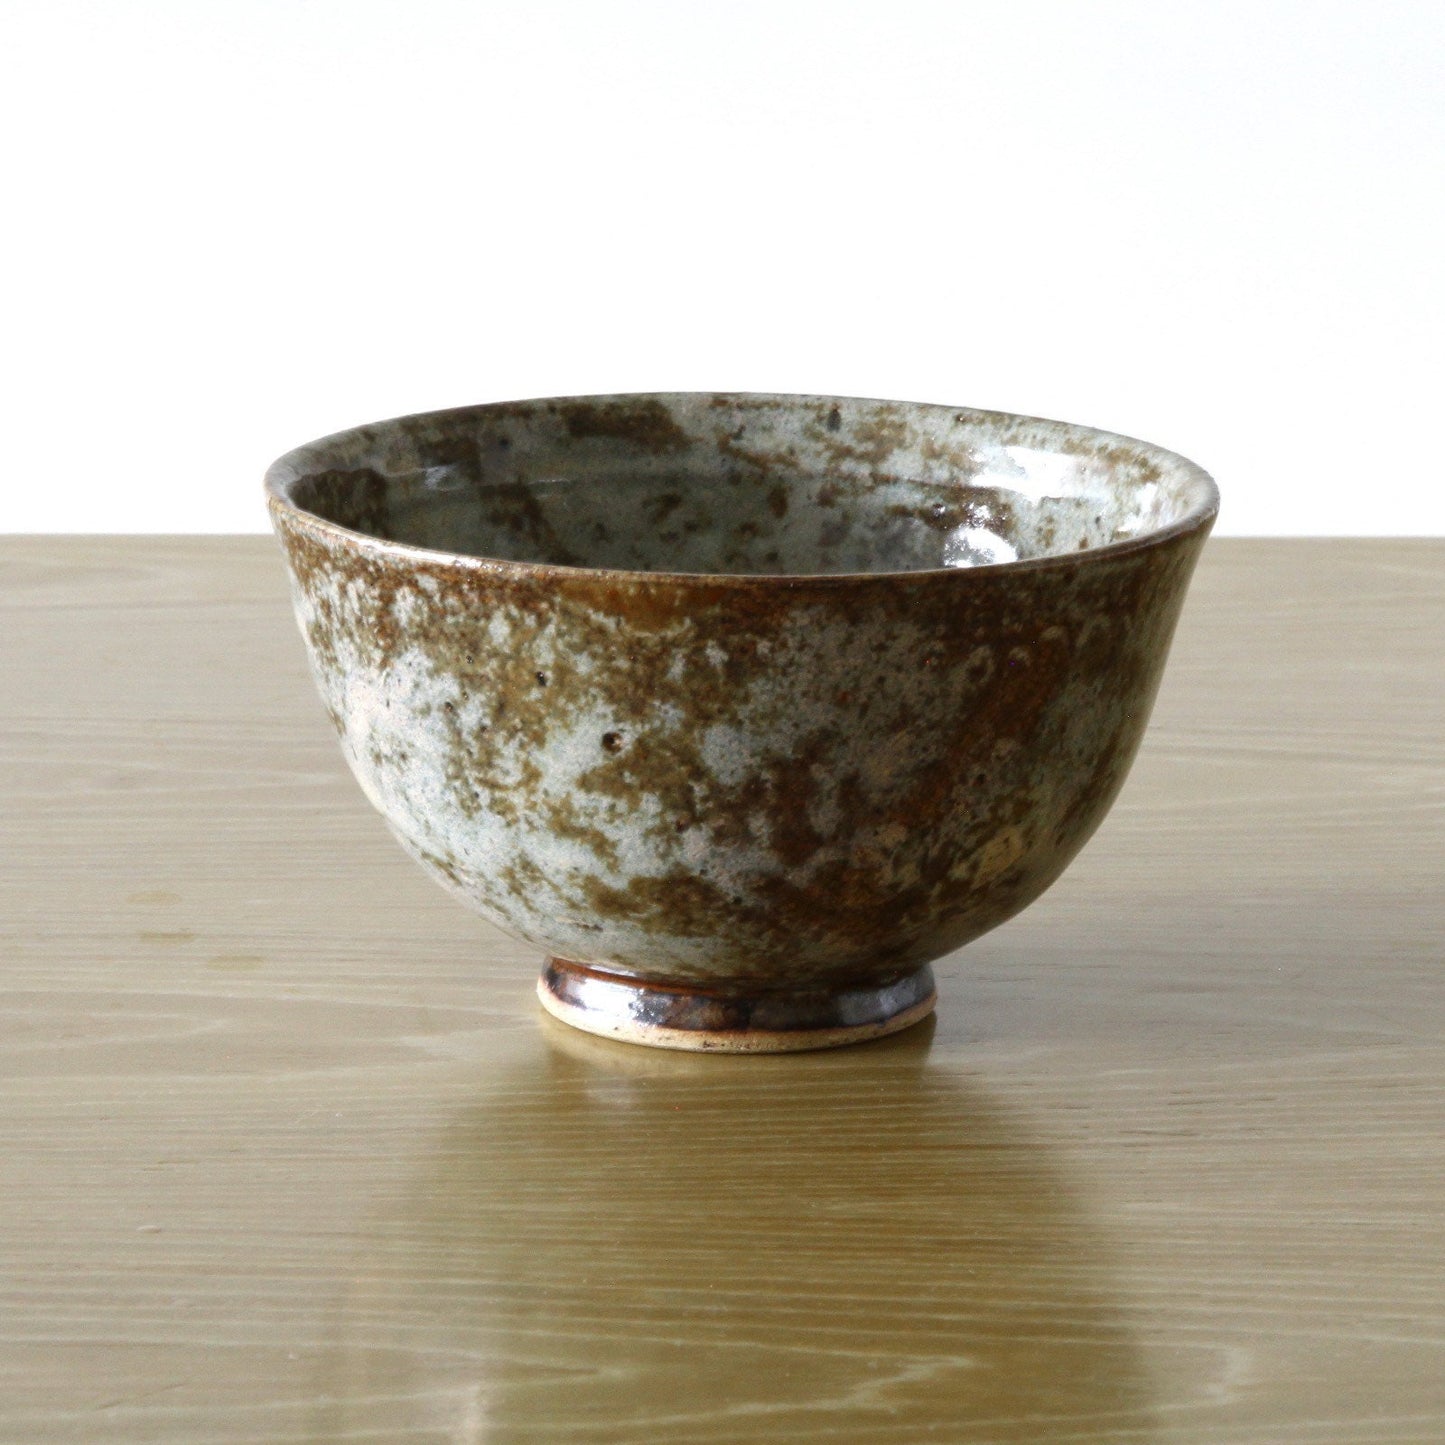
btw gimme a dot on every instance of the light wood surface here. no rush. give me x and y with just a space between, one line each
289 1153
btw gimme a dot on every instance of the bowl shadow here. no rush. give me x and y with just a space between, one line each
625 1245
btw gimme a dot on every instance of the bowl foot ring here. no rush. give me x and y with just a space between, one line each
675 1018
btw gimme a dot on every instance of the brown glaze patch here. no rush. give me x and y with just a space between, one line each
356 497
645 423
515 507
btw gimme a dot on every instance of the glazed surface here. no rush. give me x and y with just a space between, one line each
795 783
740 484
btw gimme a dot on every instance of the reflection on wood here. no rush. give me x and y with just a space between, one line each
621 1246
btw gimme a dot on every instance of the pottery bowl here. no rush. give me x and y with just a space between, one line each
742 708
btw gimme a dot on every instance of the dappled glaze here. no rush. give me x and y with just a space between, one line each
760 695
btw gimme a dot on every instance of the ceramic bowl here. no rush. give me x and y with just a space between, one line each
741 708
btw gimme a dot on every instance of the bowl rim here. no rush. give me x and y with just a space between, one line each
1199 517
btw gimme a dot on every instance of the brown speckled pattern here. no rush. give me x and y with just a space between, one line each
745 693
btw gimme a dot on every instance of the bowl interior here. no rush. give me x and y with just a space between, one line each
769 485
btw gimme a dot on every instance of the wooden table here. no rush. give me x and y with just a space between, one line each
288 1153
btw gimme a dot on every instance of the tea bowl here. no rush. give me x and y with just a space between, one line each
741 708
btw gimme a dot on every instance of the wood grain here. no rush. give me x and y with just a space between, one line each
290 1154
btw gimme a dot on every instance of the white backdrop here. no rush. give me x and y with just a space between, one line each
232 227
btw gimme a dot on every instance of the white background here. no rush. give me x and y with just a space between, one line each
232 227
